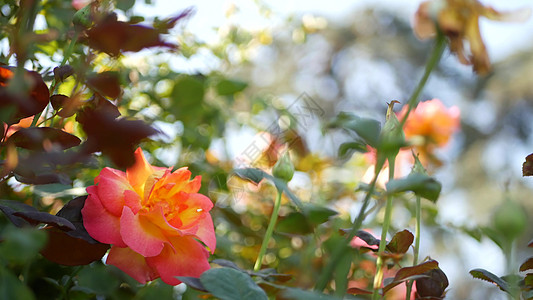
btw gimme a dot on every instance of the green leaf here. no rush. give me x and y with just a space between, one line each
346 148
490 277
366 128
251 174
229 87
230 284
298 294
12 288
294 223
318 214
422 185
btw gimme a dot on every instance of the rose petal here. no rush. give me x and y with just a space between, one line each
99 223
111 187
140 234
132 263
141 175
195 206
188 258
206 232
132 200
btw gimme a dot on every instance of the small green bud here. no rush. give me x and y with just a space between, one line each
510 219
283 169
82 17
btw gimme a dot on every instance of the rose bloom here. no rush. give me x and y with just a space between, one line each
432 121
157 223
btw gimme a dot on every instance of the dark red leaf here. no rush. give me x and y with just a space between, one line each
105 83
58 101
63 72
44 178
74 247
527 166
433 285
114 37
66 250
39 217
9 207
21 214
43 138
22 104
367 238
116 138
408 273
358 291
527 265
400 242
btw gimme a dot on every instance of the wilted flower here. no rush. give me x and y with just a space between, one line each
459 21
157 223
432 121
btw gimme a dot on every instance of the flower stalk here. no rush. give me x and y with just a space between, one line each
269 231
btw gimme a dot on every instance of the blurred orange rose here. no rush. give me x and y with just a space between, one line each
432 121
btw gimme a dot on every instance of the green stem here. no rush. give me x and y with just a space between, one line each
338 253
433 61
378 278
269 231
417 243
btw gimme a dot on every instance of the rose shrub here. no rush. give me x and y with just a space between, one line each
157 223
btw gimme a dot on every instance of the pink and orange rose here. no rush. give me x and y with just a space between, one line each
432 121
155 219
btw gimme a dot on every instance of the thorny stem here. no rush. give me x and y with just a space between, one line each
269 231
378 278
417 243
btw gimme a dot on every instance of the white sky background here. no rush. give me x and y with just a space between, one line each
504 38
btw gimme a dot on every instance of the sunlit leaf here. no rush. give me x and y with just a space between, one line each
400 242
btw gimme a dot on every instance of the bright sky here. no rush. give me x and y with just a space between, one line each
504 38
